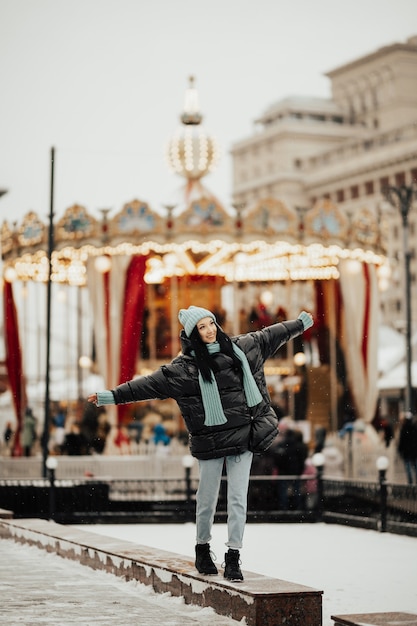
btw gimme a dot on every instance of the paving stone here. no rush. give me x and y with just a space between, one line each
43 589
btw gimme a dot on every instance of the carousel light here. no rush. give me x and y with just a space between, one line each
10 274
155 271
170 261
384 271
154 277
267 298
102 264
383 284
353 267
185 261
256 260
85 362
240 258
299 359
192 153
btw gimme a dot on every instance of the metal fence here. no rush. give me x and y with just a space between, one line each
378 505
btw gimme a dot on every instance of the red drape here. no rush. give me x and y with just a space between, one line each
367 316
321 322
131 327
14 362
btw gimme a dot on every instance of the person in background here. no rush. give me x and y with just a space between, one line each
74 443
407 446
160 436
28 431
290 457
219 384
8 436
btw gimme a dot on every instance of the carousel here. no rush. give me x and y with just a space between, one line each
251 265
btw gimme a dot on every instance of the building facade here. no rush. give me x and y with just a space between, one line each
345 149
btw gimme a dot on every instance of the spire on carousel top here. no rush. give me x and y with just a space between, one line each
191 114
191 152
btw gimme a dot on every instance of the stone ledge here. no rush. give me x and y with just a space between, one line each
5 514
376 619
261 600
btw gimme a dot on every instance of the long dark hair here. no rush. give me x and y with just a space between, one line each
205 361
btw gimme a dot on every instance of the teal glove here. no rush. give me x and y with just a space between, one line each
105 397
306 319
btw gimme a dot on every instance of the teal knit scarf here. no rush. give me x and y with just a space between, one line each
214 415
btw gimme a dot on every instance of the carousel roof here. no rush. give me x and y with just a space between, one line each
268 241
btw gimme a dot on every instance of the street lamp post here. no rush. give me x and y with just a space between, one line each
401 197
187 463
382 465
319 460
45 435
51 465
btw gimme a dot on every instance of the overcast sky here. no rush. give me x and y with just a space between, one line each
103 81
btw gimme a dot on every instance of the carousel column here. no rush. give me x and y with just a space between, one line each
174 313
239 259
98 270
290 350
80 391
170 261
333 358
239 262
236 309
152 323
84 361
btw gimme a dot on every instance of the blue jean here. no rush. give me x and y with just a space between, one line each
238 471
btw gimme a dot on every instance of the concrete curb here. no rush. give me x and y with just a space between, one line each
261 600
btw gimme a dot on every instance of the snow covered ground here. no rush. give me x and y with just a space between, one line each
359 571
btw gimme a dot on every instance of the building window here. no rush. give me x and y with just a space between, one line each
340 195
384 182
369 187
414 175
398 306
354 192
400 179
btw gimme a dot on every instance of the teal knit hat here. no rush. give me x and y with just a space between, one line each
189 317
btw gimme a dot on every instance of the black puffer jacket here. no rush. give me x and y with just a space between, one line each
179 380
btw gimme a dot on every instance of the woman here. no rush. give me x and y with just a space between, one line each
219 385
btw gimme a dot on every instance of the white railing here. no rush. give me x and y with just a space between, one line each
344 459
149 462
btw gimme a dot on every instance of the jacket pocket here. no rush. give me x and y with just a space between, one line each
264 429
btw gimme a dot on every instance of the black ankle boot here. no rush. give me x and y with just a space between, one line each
232 569
203 561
